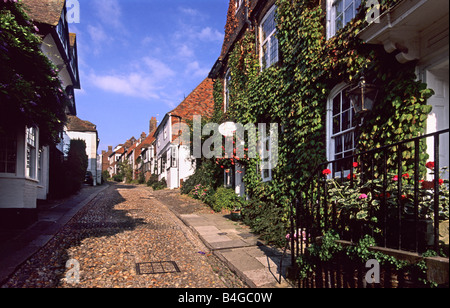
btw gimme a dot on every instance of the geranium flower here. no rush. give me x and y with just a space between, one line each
349 177
430 165
326 171
362 196
355 164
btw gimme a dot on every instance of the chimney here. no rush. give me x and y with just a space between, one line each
110 148
103 152
143 136
153 124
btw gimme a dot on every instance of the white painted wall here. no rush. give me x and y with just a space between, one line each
91 148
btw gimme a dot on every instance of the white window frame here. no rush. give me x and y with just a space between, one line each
330 136
266 173
174 157
31 143
332 15
268 40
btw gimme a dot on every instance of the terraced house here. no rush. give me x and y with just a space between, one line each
360 92
37 92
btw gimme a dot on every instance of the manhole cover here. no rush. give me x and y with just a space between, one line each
160 267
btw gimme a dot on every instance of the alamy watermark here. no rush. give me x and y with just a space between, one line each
373 274
73 273
231 140
73 11
373 12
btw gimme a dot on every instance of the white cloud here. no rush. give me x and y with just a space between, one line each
194 69
208 34
98 37
109 12
159 70
189 11
185 51
148 79
133 84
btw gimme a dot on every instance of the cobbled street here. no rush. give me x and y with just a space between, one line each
128 237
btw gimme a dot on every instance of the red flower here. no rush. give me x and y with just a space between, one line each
406 175
326 171
430 165
395 178
441 181
355 164
348 176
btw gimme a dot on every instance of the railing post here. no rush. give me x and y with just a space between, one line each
436 192
399 194
291 238
385 211
416 192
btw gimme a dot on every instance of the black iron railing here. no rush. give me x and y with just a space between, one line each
390 193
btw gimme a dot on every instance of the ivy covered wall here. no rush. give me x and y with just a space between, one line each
294 94
30 90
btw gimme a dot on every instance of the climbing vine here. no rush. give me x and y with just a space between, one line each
294 94
30 90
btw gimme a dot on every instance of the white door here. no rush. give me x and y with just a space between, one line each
438 119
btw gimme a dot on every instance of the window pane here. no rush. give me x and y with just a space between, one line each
338 21
345 101
338 145
348 141
11 168
337 104
273 49
339 7
346 120
269 25
336 124
348 2
349 14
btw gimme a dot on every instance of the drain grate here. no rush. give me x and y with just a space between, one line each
160 267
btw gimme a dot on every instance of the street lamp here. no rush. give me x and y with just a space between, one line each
363 96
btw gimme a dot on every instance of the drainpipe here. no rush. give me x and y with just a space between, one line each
247 20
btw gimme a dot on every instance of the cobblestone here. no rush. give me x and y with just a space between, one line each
126 226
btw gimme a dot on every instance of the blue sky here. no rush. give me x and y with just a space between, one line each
140 58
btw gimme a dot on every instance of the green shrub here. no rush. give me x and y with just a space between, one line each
265 219
207 174
152 180
224 198
118 178
203 193
159 184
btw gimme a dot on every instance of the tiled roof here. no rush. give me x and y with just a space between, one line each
198 102
76 124
44 11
